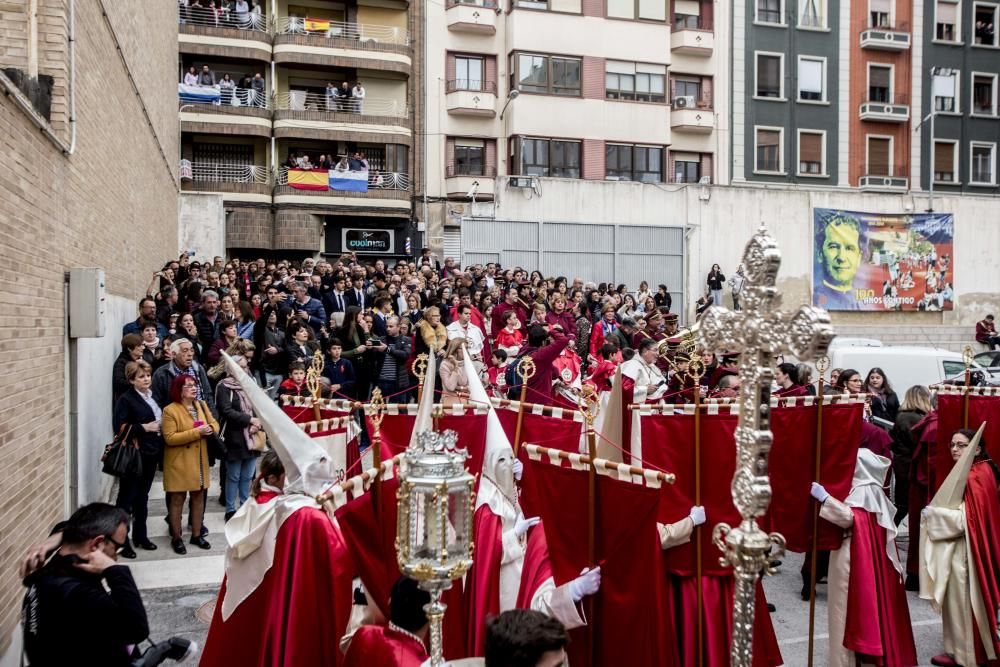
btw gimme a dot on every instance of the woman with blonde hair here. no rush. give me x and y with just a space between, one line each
454 380
916 406
432 335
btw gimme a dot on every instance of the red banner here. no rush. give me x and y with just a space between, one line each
951 417
553 432
471 430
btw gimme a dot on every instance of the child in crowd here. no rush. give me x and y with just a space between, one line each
510 338
295 385
339 371
496 385
604 371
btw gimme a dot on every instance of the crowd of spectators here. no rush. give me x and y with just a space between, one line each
224 13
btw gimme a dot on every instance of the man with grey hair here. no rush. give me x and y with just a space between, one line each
308 309
182 362
207 320
392 376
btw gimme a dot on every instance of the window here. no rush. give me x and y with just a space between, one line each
768 158
634 163
984 87
946 21
944 87
550 157
769 11
635 81
811 79
879 156
470 157
223 154
811 153
945 162
687 168
647 10
687 14
546 74
984 25
813 14
982 164
880 83
770 76
687 88
879 13
468 73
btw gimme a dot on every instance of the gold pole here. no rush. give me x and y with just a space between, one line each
589 406
696 369
525 370
377 408
420 371
313 374
821 365
967 357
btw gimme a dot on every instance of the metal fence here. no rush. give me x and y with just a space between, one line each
361 32
377 180
223 173
302 100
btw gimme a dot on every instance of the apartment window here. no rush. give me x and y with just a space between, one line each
223 154
769 75
690 89
533 4
768 150
984 94
946 20
687 14
687 168
945 90
813 14
879 13
550 157
811 153
769 11
879 156
812 77
945 162
880 84
635 81
470 157
984 25
647 10
634 163
547 74
468 73
983 158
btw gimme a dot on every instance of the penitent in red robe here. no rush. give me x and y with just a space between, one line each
379 646
982 526
299 612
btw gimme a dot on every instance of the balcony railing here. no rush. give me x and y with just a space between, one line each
223 173
362 33
217 18
377 180
457 170
222 97
486 4
893 179
300 100
472 85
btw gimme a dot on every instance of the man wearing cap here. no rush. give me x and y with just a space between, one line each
681 387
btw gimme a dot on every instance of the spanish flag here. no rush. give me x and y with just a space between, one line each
305 179
317 25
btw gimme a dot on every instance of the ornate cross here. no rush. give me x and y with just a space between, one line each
760 331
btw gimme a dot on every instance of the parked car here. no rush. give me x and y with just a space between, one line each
908 365
990 361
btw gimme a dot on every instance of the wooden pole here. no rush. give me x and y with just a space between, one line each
525 371
604 464
588 404
821 365
967 356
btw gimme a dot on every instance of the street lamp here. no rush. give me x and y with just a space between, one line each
511 96
943 81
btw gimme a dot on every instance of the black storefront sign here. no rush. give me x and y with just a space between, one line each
367 241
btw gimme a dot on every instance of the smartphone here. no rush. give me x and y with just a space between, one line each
198 423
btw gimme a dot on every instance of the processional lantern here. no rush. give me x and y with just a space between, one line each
436 498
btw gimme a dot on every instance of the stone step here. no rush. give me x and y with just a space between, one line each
190 570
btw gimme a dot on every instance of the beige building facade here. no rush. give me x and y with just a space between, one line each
88 143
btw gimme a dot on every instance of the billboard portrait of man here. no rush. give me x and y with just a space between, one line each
839 244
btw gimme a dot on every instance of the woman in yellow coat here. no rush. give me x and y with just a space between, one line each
187 425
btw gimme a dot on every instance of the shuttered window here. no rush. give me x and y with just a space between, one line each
811 153
878 156
944 162
879 84
768 150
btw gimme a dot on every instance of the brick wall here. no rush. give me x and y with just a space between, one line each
296 230
112 204
250 228
593 159
593 78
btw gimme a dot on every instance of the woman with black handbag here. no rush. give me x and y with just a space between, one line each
243 437
137 418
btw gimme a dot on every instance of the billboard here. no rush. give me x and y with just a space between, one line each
883 261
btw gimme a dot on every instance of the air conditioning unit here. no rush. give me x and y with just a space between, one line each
684 102
520 181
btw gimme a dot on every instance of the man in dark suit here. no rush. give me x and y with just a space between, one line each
356 295
335 300
383 311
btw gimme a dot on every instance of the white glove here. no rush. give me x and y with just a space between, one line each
818 491
586 584
518 469
522 525
697 515
924 512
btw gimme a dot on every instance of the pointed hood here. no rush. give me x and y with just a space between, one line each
425 411
610 428
952 490
308 468
496 484
870 472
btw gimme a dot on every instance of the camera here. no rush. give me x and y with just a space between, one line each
175 648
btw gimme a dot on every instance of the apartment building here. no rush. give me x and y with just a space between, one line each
521 90
279 108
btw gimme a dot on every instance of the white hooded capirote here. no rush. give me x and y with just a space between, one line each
867 493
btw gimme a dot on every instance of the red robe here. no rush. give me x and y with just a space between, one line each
794 390
921 471
482 591
982 526
602 376
379 646
307 587
878 618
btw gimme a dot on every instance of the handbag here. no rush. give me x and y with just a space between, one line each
258 442
216 446
122 458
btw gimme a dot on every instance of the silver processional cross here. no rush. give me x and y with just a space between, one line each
759 331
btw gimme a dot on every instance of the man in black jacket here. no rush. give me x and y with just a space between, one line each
68 616
207 321
393 376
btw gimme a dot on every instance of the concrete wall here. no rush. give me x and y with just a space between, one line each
201 224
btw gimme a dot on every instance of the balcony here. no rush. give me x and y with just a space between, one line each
304 114
886 112
692 36
886 38
383 190
472 98
893 181
697 120
236 182
473 16
459 181
204 108
202 31
334 43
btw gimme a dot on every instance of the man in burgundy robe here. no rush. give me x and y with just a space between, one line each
401 642
510 302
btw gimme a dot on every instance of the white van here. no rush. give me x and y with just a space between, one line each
904 365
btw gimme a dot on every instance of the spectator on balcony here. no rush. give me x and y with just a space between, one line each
243 90
258 90
331 96
242 11
377 181
305 162
183 11
323 163
358 92
256 16
226 88
293 161
191 78
343 165
344 98
358 162
206 77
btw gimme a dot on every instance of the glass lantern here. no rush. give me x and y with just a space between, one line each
435 502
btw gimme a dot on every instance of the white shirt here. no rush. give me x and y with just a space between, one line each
471 332
643 375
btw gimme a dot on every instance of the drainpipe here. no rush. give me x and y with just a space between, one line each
72 78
